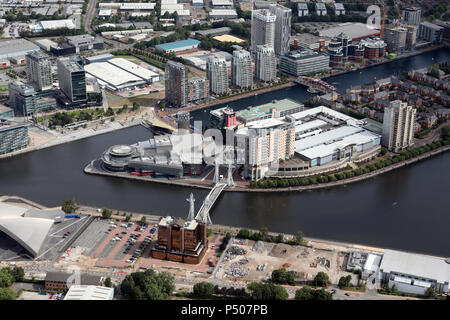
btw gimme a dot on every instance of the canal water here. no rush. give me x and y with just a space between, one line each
406 209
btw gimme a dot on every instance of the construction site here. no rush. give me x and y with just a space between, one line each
247 261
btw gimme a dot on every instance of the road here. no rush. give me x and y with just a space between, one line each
90 14
432 136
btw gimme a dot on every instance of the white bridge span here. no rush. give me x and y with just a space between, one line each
213 195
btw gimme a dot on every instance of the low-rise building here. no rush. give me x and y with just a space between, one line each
178 46
86 292
414 273
61 281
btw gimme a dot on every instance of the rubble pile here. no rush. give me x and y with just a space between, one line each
258 247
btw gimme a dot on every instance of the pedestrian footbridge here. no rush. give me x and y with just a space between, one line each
213 195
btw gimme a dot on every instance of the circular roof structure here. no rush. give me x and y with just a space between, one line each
121 150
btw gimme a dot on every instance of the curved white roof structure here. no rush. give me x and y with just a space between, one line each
30 233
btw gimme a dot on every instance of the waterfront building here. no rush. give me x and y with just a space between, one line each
282 28
411 16
263 143
430 32
24 99
325 137
266 63
274 109
303 62
13 137
217 75
241 69
411 37
223 118
374 48
176 84
39 70
72 78
414 273
263 28
198 88
180 240
398 126
395 37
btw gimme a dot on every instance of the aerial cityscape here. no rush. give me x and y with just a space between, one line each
224 150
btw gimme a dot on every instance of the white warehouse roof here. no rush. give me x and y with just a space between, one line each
133 68
111 75
417 265
326 137
82 292
57 24
328 149
309 125
30 233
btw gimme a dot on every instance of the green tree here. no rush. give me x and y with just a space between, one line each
283 277
128 217
298 236
307 293
267 291
18 273
109 112
264 232
106 213
143 219
344 282
69 206
321 279
148 285
304 293
203 290
430 293
6 278
108 282
7 294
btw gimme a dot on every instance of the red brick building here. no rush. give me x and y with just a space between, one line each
180 240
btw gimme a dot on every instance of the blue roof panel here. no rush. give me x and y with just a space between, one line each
178 44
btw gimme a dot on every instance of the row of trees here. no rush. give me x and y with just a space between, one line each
263 235
7 277
405 155
148 285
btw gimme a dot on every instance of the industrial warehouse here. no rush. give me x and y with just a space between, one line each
119 74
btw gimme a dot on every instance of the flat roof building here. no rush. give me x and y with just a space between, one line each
355 30
213 32
274 109
223 14
80 292
414 273
61 281
16 48
72 78
178 46
303 62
